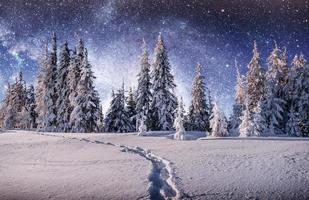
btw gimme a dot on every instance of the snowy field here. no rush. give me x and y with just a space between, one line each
125 166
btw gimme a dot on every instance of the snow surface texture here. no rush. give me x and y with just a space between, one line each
125 166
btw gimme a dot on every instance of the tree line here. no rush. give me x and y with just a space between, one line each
65 99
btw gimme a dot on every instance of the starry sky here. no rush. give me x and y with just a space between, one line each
211 32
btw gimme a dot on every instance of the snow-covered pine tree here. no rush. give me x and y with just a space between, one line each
246 125
189 121
199 110
131 107
110 114
283 88
14 103
293 123
259 122
274 102
180 133
9 114
164 102
4 104
40 90
272 109
210 101
117 119
74 73
218 123
27 114
143 97
303 107
63 102
84 116
255 80
50 95
30 108
239 104
297 93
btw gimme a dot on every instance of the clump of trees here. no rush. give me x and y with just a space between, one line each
65 99
274 101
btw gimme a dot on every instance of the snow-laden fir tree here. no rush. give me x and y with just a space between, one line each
29 114
298 93
15 102
63 102
283 88
180 133
164 102
74 72
3 105
255 80
246 125
131 107
303 107
117 119
8 113
40 90
50 94
218 122
31 106
274 103
143 97
293 123
294 82
84 116
199 110
259 121
239 104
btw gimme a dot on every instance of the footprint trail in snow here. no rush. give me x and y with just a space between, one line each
161 178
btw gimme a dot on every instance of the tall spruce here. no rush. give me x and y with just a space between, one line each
297 94
164 102
31 107
15 103
239 104
143 97
74 73
255 80
199 110
84 116
303 107
40 90
50 95
63 102
273 106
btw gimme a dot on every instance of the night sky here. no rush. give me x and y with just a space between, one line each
211 32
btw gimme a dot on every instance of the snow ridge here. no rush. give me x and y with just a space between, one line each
162 177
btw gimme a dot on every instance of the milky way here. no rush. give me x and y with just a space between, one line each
212 33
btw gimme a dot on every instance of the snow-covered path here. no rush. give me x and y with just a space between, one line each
162 185
93 166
